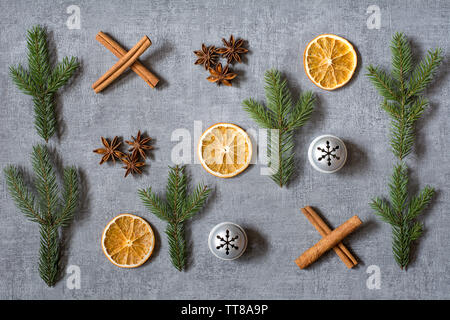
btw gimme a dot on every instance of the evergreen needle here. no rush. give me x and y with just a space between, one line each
281 115
50 210
402 101
175 210
41 82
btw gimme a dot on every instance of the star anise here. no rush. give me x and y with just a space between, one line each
139 145
132 164
207 56
232 49
110 150
221 75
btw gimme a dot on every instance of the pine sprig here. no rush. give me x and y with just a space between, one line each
155 204
195 202
401 91
45 183
423 74
281 143
401 213
401 59
38 58
176 209
177 244
69 199
21 195
49 254
51 211
41 82
302 111
23 80
62 74
283 117
404 104
385 85
262 116
176 191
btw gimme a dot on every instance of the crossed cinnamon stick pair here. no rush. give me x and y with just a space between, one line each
126 59
331 240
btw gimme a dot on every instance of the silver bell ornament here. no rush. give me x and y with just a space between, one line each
327 153
227 241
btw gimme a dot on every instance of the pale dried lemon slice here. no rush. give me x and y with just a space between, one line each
128 241
225 150
329 61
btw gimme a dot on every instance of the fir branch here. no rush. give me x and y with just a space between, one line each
49 213
423 74
405 105
49 254
416 109
419 203
416 232
262 116
401 59
302 111
176 190
392 108
277 96
283 145
45 183
401 213
177 245
23 198
383 83
70 197
399 189
282 115
23 80
401 244
177 208
62 73
401 91
384 211
41 82
195 202
155 204
38 58
402 137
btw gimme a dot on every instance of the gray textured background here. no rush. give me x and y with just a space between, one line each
277 32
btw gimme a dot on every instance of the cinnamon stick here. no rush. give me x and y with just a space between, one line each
119 52
328 242
126 61
323 229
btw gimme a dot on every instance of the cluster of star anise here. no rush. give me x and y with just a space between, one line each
134 160
209 58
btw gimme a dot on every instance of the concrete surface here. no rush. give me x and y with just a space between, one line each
277 32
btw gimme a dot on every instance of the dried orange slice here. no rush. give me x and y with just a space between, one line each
225 150
329 61
128 241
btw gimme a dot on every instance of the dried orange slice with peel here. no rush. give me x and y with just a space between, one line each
128 241
329 61
225 150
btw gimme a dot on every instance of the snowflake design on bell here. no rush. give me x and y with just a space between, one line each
227 242
328 153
